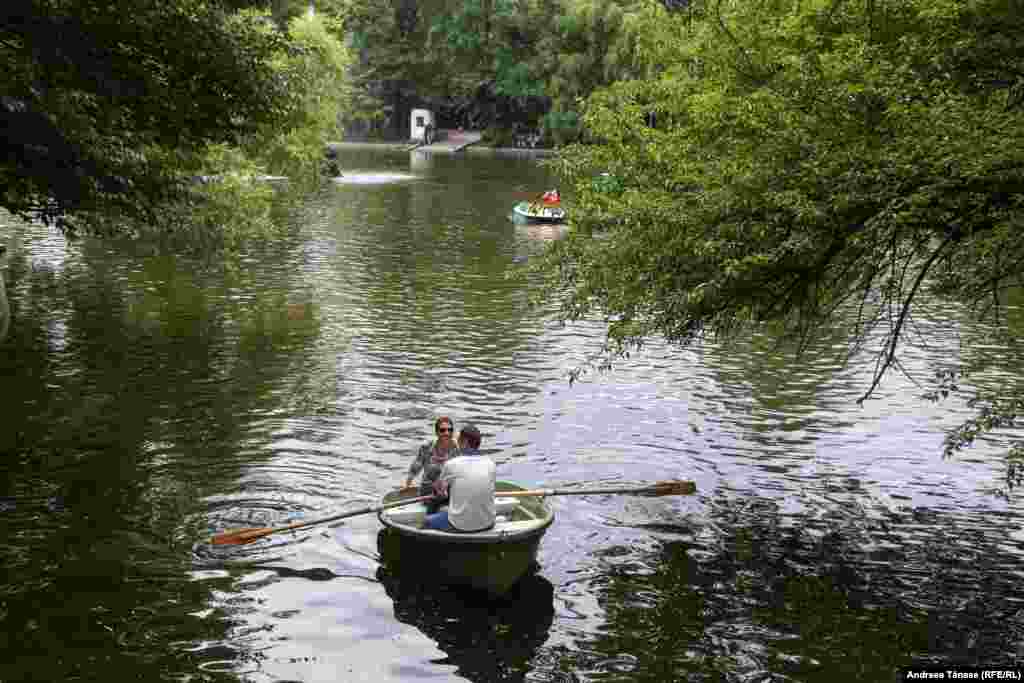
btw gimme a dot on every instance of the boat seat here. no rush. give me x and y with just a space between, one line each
413 514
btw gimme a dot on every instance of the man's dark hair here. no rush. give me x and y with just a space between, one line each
472 435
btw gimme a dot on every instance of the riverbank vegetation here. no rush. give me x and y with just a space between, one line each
501 66
799 166
114 111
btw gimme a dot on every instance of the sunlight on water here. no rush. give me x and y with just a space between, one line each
358 178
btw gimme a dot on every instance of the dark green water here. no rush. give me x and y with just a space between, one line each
147 401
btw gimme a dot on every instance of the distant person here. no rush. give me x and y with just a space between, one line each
551 197
432 456
467 481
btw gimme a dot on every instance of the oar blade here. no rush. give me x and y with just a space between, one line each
676 487
241 536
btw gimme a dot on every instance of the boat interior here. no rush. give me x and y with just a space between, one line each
508 512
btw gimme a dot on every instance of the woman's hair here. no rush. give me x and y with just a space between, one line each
441 420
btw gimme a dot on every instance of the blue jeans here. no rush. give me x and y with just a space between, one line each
438 521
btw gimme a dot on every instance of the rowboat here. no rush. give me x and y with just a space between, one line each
539 212
492 560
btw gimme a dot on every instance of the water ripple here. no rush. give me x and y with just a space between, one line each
163 400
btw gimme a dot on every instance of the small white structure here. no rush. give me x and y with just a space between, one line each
421 118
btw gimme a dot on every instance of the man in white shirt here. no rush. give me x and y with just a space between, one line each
468 481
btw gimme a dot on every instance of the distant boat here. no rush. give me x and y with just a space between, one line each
540 212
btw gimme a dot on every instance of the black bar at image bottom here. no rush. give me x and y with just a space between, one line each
961 673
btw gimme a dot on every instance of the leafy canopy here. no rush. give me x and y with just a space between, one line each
778 162
100 100
109 109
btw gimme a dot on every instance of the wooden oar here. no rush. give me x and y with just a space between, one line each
243 536
661 488
674 487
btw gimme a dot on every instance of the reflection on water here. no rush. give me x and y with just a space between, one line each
483 638
150 400
420 161
755 594
544 232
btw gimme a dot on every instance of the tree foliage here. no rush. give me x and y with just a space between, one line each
98 97
230 207
509 50
110 109
317 66
590 45
782 161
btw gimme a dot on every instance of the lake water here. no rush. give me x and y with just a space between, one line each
150 400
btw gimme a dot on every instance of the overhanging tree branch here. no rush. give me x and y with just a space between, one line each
888 354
